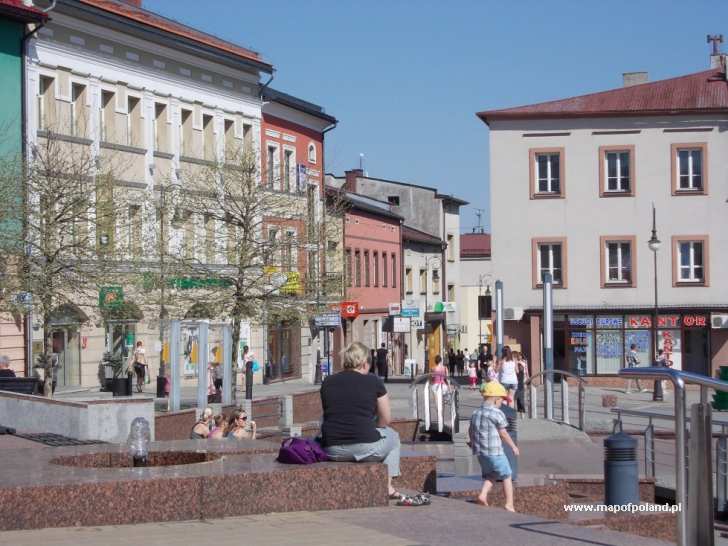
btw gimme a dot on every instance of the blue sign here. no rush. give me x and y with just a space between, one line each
412 312
331 319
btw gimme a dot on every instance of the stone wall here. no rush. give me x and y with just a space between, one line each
307 407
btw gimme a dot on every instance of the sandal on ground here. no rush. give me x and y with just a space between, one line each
417 500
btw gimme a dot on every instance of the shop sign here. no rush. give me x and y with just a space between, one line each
394 309
610 322
401 325
668 321
111 297
330 319
581 322
639 321
695 321
411 312
418 323
350 309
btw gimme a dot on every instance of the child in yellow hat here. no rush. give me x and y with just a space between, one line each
487 434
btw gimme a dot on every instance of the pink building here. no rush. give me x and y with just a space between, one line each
373 263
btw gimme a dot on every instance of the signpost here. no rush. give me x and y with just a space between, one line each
328 322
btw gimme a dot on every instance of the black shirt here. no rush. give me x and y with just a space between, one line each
7 372
349 401
381 356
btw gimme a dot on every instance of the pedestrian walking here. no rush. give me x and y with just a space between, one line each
507 374
632 361
487 435
473 374
522 375
139 358
451 361
460 362
382 362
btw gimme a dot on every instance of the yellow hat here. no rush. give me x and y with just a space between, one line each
493 389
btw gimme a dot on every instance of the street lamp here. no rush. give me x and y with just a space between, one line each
480 317
654 243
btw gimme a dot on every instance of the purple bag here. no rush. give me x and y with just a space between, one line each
301 451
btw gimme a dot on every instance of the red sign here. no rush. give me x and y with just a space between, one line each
693 321
639 321
668 321
349 309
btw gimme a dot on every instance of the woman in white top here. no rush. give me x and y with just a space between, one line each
508 376
140 365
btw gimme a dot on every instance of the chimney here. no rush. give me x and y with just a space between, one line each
351 176
634 78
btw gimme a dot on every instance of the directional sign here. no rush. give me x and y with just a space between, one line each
411 312
330 319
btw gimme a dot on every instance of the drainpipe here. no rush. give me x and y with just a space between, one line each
266 84
24 152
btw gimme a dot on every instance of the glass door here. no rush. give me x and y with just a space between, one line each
67 357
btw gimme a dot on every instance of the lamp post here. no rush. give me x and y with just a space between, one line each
654 243
480 317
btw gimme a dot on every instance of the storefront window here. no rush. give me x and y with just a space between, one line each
670 341
580 350
609 344
643 341
283 349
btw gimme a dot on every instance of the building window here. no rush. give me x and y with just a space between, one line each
689 175
690 259
46 103
617 261
312 153
209 222
393 200
435 281
108 110
208 135
367 269
230 147
450 247
288 251
394 271
133 122
247 137
616 171
548 255
547 172
376 269
349 267
331 245
185 135
384 270
271 165
287 169
78 110
357 265
450 292
408 279
160 128
423 281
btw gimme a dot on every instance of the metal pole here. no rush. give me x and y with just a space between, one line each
499 318
480 319
227 359
162 310
264 352
202 361
174 337
425 365
680 457
548 345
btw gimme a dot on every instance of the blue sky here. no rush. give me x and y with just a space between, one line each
406 77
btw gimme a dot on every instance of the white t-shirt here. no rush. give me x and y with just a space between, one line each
508 372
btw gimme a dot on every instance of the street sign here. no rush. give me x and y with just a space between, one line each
418 323
401 325
24 298
350 309
331 319
411 312
394 309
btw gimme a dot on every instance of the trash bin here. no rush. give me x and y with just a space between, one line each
621 470
161 386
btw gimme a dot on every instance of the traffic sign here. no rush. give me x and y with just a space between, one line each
331 319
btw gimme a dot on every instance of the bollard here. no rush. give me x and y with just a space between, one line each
621 470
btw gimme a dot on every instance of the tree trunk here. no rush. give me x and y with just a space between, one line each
46 357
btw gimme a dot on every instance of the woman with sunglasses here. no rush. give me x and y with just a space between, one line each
239 428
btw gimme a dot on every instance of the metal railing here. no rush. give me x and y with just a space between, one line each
695 517
565 376
446 400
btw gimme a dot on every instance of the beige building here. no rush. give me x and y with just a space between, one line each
583 174
476 281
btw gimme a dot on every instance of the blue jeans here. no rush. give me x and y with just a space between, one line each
386 450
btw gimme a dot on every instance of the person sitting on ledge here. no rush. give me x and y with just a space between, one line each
201 430
218 430
5 370
238 428
356 414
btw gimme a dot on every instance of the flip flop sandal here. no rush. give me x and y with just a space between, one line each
417 500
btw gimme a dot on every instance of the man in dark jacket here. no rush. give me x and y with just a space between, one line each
382 362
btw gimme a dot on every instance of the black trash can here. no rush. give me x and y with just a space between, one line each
161 387
621 470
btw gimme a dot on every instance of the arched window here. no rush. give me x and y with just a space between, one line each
311 152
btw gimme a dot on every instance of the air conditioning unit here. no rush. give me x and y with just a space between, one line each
513 313
719 321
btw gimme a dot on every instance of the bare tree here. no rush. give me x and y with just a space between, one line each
65 199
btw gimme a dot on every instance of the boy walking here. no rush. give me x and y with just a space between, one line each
487 435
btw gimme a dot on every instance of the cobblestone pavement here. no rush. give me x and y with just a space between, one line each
445 522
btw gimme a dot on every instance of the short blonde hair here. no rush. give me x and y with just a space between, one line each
355 355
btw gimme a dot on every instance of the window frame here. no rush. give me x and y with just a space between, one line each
367 269
677 240
675 168
536 242
533 173
409 282
311 153
424 286
604 190
605 240
357 268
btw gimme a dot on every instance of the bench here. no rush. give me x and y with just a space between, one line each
20 385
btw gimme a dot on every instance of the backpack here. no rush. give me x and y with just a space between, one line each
301 451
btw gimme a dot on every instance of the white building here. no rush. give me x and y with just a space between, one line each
162 98
574 181
476 280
